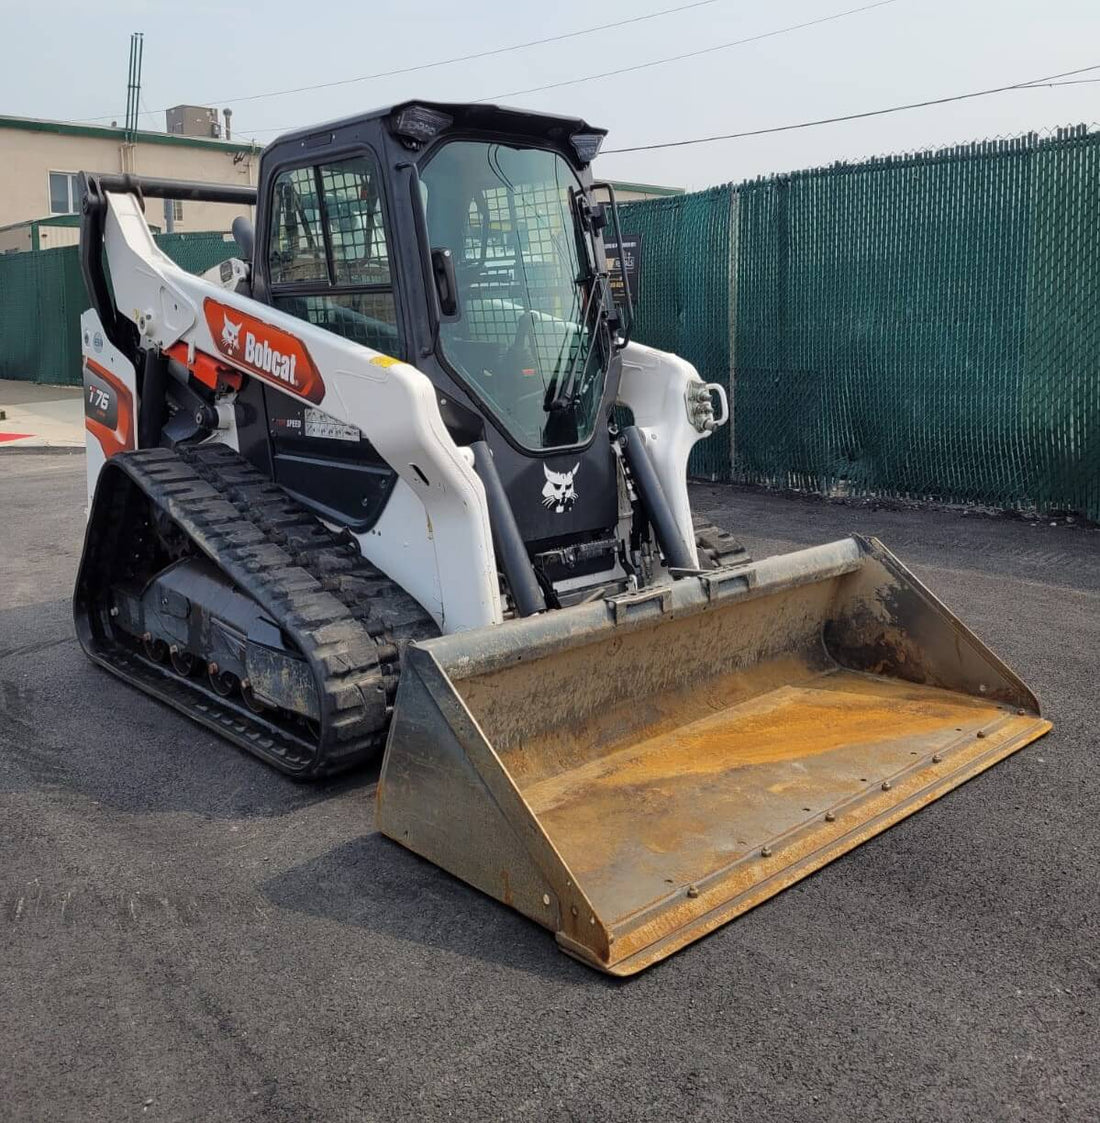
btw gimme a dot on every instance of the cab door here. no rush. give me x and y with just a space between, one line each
326 260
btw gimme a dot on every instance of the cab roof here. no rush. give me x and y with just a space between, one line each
465 117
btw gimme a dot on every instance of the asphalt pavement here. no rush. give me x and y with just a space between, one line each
189 936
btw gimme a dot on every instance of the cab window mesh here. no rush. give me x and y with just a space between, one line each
528 219
327 256
525 336
354 213
297 248
367 318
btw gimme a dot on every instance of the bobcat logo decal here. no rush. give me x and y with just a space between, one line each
231 334
558 491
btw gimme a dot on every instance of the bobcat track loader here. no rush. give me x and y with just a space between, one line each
365 487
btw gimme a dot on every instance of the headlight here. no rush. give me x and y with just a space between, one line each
418 123
587 145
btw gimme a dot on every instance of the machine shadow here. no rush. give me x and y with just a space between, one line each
71 726
373 884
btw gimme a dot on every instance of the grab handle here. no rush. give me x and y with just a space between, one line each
720 390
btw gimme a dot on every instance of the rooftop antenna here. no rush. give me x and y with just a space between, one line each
133 85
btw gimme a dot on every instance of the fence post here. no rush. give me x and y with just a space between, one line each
734 286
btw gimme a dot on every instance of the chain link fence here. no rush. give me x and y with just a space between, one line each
42 296
923 327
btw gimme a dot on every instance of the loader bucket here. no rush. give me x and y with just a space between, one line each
634 773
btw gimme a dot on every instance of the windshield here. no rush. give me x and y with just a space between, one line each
528 336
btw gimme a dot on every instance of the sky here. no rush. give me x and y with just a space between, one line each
68 61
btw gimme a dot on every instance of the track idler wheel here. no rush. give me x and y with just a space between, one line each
250 699
155 649
183 662
222 682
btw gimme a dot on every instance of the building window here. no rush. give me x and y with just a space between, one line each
177 210
63 194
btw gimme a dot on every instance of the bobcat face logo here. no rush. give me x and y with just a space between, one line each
231 334
558 491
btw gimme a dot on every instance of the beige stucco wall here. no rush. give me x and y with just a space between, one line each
27 158
29 154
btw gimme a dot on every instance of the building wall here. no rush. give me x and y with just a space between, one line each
28 156
30 150
17 239
630 195
50 233
637 192
51 237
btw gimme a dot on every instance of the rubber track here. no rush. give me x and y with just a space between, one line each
718 547
349 621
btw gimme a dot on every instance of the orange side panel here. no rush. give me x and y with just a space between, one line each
206 368
120 438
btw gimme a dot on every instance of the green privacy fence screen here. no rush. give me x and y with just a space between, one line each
42 296
924 326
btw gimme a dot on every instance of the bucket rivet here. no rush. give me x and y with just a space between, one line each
546 898
573 909
1020 712
982 688
981 732
936 758
885 785
830 817
591 920
766 852
693 891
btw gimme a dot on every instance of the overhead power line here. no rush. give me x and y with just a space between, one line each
449 61
692 54
1035 83
667 59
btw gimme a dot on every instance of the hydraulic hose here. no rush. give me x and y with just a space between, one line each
654 501
152 404
507 541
